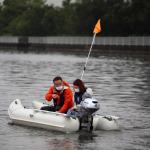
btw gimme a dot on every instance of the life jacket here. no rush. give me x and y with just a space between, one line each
78 98
61 100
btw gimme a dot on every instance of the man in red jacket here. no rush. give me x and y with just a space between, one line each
61 95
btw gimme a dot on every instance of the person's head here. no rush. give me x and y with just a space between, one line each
79 86
58 83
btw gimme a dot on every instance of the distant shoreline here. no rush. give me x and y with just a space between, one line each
135 45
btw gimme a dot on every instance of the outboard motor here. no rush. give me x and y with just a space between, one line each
85 112
89 106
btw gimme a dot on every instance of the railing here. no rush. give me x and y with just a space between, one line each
123 41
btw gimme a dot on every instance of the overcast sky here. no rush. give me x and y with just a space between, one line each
55 2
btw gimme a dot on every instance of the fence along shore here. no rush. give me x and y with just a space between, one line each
130 44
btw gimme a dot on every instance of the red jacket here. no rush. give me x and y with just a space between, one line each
67 94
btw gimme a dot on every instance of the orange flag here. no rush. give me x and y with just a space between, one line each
97 28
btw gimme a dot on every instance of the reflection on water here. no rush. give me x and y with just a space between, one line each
81 140
121 84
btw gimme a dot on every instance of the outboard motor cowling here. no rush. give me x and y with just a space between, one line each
90 105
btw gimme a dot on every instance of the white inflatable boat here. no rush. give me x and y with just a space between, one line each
54 120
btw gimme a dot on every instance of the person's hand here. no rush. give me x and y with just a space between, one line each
55 96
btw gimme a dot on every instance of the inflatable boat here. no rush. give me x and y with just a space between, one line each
57 121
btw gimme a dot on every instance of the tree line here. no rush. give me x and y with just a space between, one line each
36 18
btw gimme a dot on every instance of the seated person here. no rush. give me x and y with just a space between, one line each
61 95
80 91
81 95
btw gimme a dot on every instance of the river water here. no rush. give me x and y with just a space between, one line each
121 84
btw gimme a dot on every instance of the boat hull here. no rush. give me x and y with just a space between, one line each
42 119
54 120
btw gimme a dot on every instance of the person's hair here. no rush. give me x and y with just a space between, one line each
80 84
57 78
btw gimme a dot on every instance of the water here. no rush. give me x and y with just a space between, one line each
122 85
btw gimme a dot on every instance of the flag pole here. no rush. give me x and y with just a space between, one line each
96 30
88 55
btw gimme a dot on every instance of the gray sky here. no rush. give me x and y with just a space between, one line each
55 2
